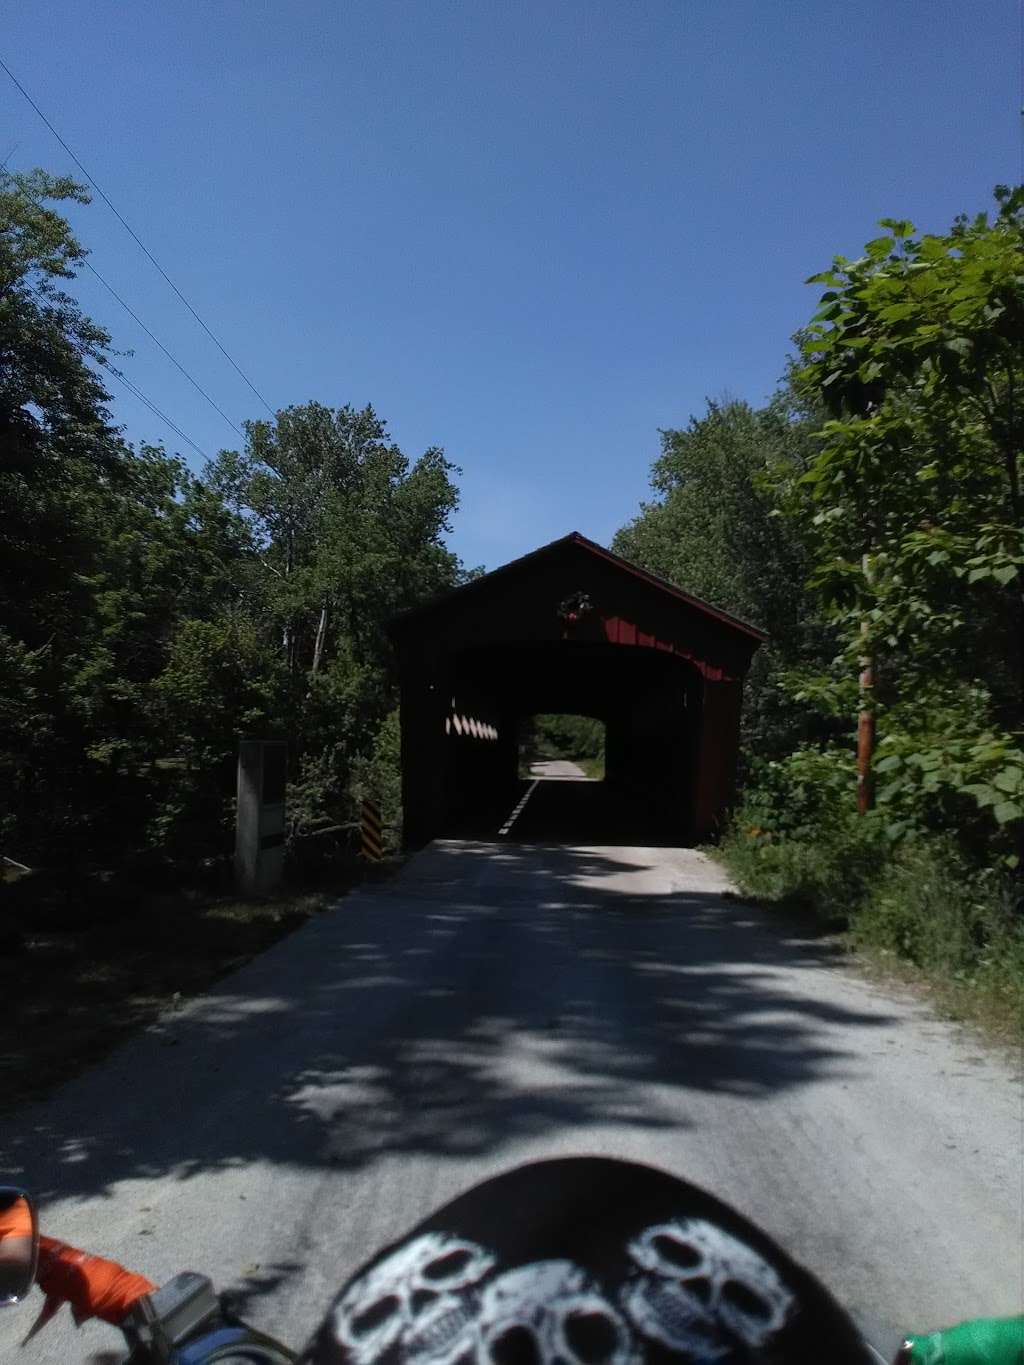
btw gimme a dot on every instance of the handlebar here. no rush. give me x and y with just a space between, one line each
157 1322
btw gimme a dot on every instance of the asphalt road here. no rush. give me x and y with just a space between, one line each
504 1002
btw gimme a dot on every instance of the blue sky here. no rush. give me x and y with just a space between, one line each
532 233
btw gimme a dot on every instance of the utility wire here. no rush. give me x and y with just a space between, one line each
134 389
156 340
137 393
137 239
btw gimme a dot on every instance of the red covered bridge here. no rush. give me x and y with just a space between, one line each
572 628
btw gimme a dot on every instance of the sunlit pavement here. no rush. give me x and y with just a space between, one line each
504 1001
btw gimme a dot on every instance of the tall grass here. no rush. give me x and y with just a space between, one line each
797 842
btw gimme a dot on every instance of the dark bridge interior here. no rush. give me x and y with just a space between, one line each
649 702
570 628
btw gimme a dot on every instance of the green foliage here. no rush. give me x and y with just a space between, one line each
58 447
151 619
717 532
62 466
344 532
940 766
920 899
914 498
569 737
874 510
930 905
807 792
380 777
797 838
47 387
574 739
344 529
713 530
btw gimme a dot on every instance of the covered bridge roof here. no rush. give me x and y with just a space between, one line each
500 581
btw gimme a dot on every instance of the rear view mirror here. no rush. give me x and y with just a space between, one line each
19 1244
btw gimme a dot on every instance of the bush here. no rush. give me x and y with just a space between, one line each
577 739
828 876
797 839
570 737
931 906
944 764
380 777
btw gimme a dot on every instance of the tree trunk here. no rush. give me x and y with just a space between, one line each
866 714
865 737
321 636
289 630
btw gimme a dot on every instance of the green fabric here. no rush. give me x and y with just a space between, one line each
982 1341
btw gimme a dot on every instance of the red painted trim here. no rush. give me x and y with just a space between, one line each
619 631
665 586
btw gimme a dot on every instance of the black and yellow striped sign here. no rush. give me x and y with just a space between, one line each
370 831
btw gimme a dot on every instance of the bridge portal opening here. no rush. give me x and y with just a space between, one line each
634 741
636 711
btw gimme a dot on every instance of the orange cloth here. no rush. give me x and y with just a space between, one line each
16 1221
94 1288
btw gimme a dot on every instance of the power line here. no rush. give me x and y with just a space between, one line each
137 239
156 340
137 393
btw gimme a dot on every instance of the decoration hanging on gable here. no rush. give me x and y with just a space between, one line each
574 609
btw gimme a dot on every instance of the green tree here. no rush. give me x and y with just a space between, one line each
151 618
61 456
716 531
914 498
918 354
104 551
345 531
55 431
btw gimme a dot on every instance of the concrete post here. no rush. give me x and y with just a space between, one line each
259 821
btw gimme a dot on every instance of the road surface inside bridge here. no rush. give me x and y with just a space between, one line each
501 1002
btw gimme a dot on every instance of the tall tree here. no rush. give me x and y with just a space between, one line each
55 431
917 352
102 550
149 618
345 531
914 498
60 456
715 530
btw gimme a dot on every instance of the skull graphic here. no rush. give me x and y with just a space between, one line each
420 1298
551 1313
694 1288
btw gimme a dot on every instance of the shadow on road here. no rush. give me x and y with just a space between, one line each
492 992
577 811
